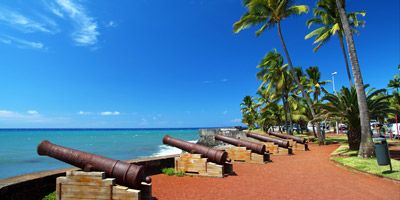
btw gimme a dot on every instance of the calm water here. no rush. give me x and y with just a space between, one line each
18 147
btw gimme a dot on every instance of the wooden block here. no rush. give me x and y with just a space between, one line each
195 165
94 185
302 147
239 154
259 158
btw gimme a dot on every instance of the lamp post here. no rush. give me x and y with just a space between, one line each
334 90
333 81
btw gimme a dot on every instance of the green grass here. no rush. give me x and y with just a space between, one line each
172 172
51 196
348 158
334 139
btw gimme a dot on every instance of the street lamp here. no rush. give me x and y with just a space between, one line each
334 90
333 81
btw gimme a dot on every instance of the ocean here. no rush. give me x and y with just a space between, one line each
18 146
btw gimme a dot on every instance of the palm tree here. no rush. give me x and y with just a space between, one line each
327 17
395 83
249 112
345 106
366 145
315 85
274 75
270 13
315 82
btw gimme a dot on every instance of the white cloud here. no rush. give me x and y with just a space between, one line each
30 116
109 113
237 120
224 80
111 24
86 27
207 82
21 43
53 8
23 23
32 112
84 113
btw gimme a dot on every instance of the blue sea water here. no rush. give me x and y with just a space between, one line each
18 147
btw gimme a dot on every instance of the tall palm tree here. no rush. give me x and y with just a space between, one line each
270 13
366 145
275 76
344 105
327 17
249 112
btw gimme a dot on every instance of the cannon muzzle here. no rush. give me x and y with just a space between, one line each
126 174
213 155
280 143
297 139
254 147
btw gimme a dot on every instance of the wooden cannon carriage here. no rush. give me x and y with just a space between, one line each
297 143
200 160
274 146
245 151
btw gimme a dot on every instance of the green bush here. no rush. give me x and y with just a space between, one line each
172 172
168 171
180 173
51 196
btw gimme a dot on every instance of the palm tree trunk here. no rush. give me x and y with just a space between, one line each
345 59
296 78
290 118
286 112
366 145
313 128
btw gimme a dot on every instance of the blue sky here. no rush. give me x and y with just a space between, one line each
154 63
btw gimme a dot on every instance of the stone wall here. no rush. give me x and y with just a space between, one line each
206 136
36 185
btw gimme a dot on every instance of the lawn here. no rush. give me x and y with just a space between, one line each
345 157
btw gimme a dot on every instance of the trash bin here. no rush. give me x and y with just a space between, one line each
382 152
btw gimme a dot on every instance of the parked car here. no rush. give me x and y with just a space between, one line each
392 129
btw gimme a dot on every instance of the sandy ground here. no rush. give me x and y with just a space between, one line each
305 175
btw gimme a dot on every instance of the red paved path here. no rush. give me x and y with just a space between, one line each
306 175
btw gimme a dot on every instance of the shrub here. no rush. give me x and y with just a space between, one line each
168 171
51 196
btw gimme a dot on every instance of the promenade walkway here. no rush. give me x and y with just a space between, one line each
306 175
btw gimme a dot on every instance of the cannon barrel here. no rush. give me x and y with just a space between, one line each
213 155
280 143
254 147
297 139
125 173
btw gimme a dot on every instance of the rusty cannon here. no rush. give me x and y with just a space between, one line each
289 137
213 155
254 147
280 143
126 174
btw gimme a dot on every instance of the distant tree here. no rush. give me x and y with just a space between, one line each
395 83
249 112
277 80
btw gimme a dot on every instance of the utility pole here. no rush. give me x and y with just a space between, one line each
334 90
